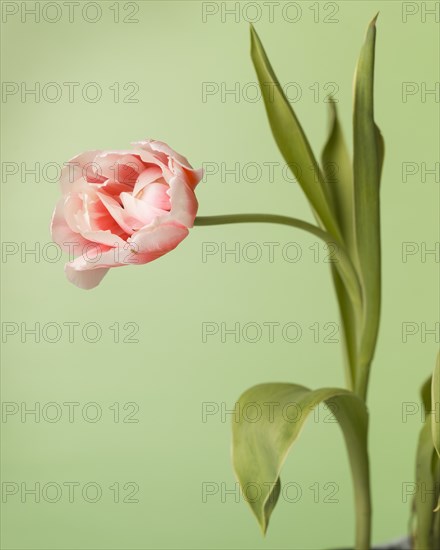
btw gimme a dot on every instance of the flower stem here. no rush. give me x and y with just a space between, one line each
346 268
348 274
260 218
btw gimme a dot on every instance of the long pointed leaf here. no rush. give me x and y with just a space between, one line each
338 172
367 166
425 394
421 514
424 500
435 406
261 447
349 322
291 139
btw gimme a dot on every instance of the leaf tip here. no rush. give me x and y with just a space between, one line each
254 37
253 32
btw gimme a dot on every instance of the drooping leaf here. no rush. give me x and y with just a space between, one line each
367 167
435 406
291 139
260 447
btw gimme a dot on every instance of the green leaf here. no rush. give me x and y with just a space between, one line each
425 394
436 518
367 167
291 139
424 499
348 323
338 172
380 150
339 177
260 447
435 406
332 205
427 519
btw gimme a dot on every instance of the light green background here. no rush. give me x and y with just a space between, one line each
171 452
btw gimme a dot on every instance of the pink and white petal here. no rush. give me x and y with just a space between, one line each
157 195
175 161
194 176
73 210
106 238
150 157
120 166
74 169
190 175
140 210
147 245
184 204
66 239
149 175
87 270
85 279
95 256
118 213
157 239
115 188
161 147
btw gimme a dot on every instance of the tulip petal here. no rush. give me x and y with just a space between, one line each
148 176
106 238
184 204
158 239
74 169
118 213
85 279
161 147
176 162
62 234
121 167
139 210
157 195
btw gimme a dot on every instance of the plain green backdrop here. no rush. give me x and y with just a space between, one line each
173 453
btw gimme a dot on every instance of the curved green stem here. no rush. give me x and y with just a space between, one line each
264 218
344 264
348 274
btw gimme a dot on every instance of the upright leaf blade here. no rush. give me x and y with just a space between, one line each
261 447
424 500
349 324
427 520
367 167
291 139
425 394
435 406
338 171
